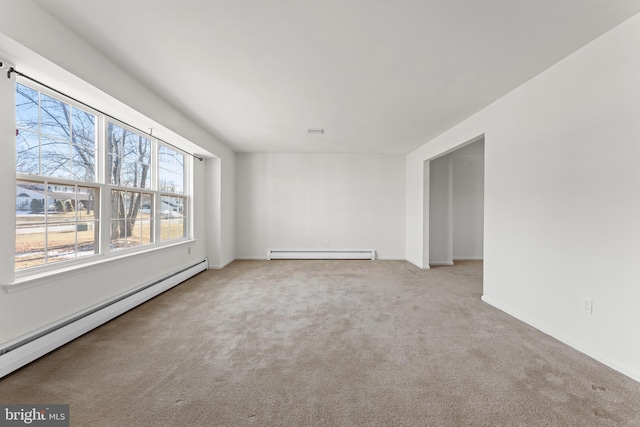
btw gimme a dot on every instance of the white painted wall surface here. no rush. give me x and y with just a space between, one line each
468 201
441 211
320 201
424 225
562 174
40 46
7 176
456 205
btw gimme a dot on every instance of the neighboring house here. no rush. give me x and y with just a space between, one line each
24 197
25 194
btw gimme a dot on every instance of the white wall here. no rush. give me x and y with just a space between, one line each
318 201
456 205
440 216
468 201
562 179
38 45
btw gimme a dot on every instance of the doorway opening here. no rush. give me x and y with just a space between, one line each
456 205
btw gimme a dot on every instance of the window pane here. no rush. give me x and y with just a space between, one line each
87 203
27 153
88 233
170 170
55 118
135 174
142 231
26 108
129 174
83 163
172 223
129 158
84 145
61 203
146 220
84 128
132 224
56 154
30 225
166 158
130 146
56 158
117 204
118 234
116 136
30 199
61 242
30 245
137 148
57 222
171 181
145 176
167 181
144 151
55 225
113 169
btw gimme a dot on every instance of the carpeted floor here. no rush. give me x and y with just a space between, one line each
325 343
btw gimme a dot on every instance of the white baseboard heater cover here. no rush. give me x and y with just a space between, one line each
322 254
24 350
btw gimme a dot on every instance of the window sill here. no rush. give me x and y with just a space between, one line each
42 277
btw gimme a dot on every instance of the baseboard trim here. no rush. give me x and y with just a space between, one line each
26 349
259 258
321 254
468 259
562 338
440 263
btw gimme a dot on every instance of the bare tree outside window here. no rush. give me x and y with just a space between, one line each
54 140
172 205
128 166
59 147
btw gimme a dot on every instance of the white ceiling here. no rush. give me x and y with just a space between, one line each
378 76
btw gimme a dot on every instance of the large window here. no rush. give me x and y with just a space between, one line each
172 200
87 185
55 223
129 166
54 138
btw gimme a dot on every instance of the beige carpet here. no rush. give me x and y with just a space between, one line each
325 343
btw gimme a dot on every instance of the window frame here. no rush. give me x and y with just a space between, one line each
23 179
103 186
185 194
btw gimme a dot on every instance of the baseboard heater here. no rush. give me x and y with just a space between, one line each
322 254
26 349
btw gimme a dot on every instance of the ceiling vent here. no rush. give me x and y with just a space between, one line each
315 131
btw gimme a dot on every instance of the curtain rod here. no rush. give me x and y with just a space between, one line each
13 70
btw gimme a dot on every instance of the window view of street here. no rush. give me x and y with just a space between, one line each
58 192
54 223
172 225
172 207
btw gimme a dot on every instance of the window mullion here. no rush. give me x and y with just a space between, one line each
105 191
75 213
155 184
46 223
159 203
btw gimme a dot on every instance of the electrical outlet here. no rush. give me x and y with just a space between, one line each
328 243
189 250
587 306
